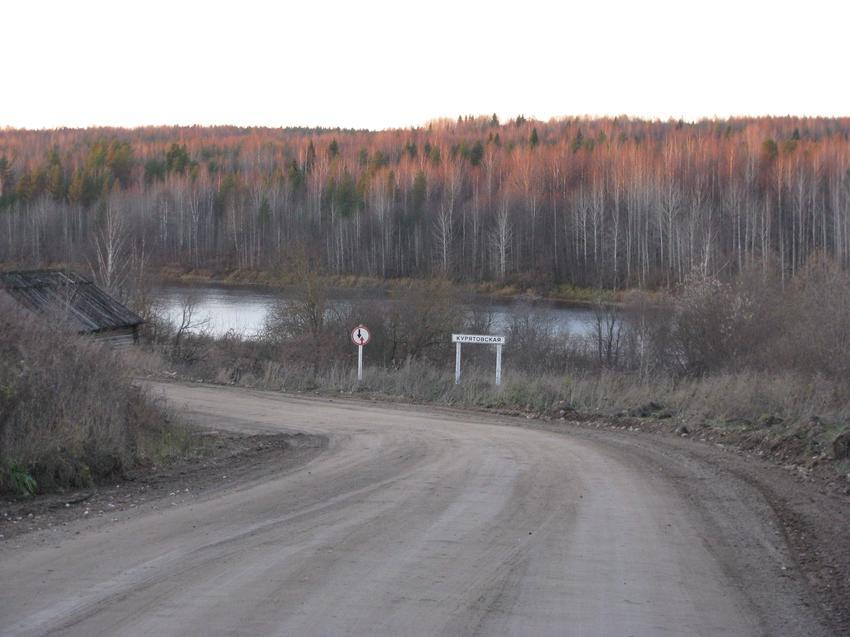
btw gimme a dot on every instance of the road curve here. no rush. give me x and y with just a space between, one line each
414 521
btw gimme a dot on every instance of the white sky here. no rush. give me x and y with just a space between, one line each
389 64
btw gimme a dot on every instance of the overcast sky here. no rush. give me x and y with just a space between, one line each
393 64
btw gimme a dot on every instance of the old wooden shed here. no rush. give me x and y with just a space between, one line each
70 298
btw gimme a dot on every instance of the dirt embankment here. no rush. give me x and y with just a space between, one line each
814 451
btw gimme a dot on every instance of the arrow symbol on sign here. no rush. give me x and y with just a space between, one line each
359 335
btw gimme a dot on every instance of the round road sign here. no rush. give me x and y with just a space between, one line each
360 335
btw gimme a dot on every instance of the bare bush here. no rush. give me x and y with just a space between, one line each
420 320
189 334
753 323
301 326
815 332
703 326
69 413
534 342
609 333
648 340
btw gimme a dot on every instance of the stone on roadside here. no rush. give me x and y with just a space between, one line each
841 446
563 410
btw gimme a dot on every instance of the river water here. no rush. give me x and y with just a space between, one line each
244 309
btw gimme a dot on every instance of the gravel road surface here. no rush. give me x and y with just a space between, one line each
418 521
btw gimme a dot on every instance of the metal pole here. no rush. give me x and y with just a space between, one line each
359 363
457 364
499 364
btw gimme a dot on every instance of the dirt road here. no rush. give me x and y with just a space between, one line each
417 521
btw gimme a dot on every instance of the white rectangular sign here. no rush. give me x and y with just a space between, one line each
483 339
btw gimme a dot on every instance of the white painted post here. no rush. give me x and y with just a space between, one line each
499 364
457 363
359 363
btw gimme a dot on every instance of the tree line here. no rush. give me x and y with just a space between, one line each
611 202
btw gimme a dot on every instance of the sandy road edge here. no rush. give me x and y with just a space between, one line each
814 523
237 461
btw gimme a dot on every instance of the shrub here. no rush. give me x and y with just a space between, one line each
69 412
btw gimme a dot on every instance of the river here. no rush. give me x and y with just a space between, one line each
244 309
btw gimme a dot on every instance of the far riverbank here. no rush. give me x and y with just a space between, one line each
509 291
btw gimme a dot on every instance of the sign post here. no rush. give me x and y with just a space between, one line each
481 339
499 364
360 336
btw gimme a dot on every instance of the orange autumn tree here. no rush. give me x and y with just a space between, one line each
612 202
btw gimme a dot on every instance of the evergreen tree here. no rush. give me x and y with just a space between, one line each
378 161
24 189
6 180
119 162
310 159
578 141
156 170
346 197
55 176
295 177
418 194
177 159
476 153
769 150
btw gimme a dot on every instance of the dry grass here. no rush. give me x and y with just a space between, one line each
725 396
69 412
745 354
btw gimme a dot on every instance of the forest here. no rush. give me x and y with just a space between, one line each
612 203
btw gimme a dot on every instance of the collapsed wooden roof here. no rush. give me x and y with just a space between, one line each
68 296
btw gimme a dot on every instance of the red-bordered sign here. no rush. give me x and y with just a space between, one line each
360 335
